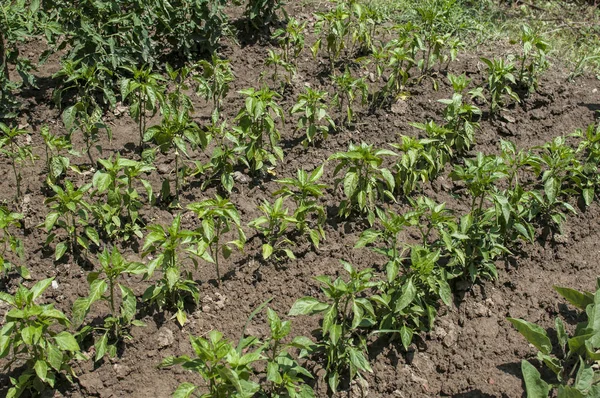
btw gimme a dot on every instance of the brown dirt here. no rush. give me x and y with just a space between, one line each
472 351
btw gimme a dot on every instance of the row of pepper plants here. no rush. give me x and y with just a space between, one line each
511 196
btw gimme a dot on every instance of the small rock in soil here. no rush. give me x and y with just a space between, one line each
165 337
91 383
400 107
359 388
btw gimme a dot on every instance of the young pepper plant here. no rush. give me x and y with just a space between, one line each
176 283
219 216
574 358
365 181
17 151
103 286
314 118
274 225
37 337
345 313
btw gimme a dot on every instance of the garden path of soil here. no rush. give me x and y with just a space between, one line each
472 351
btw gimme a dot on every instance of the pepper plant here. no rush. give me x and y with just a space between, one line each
257 132
274 225
573 357
176 283
291 40
346 313
219 216
365 181
103 287
305 190
213 82
533 61
9 243
36 337
70 210
313 114
145 91
224 368
57 164
500 78
118 201
18 152
348 90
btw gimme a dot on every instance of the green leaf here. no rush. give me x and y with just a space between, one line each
307 306
534 334
408 295
406 335
60 250
184 390
39 288
101 347
66 342
576 298
41 369
267 250
534 385
350 184
273 374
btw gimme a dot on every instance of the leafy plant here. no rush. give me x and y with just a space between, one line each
118 199
176 283
573 360
285 376
144 91
558 161
263 12
365 182
223 159
333 26
500 78
10 243
219 216
274 225
103 286
313 114
36 335
305 190
532 58
460 116
585 176
57 164
349 89
419 162
213 83
276 59
17 151
70 210
174 133
258 135
291 40
225 369
345 313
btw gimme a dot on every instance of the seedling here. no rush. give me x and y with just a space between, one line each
277 60
35 336
70 210
500 78
213 83
573 360
291 40
57 164
533 58
314 118
257 134
145 92
219 216
349 89
345 313
17 151
103 286
365 182
10 243
225 370
274 225
176 283
118 182
305 191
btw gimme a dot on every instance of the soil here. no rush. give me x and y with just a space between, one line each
473 351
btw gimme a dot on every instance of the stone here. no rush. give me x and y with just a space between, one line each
400 107
165 338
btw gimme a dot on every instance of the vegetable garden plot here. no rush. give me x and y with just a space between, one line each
367 209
